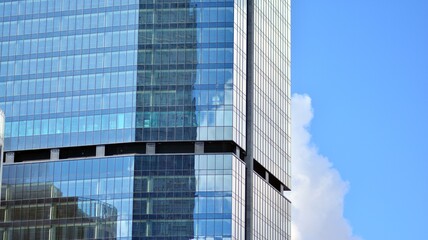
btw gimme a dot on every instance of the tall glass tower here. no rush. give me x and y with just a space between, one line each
145 119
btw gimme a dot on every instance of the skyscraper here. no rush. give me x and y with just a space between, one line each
150 119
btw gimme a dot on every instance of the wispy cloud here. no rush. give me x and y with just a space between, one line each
318 191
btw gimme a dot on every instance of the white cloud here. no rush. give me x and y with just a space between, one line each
318 191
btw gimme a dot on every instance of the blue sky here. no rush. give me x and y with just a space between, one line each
365 66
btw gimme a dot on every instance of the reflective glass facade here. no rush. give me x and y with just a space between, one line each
68 72
92 90
78 73
144 197
185 70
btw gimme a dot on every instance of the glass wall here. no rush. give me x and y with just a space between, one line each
271 213
80 199
185 197
68 72
185 70
272 92
156 197
77 73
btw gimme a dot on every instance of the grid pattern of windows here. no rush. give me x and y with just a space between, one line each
75 73
271 212
79 199
272 87
240 71
68 72
238 200
186 197
186 71
168 196
91 73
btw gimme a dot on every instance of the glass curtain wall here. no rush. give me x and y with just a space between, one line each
185 65
134 197
68 72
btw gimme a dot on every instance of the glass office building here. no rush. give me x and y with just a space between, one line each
129 119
